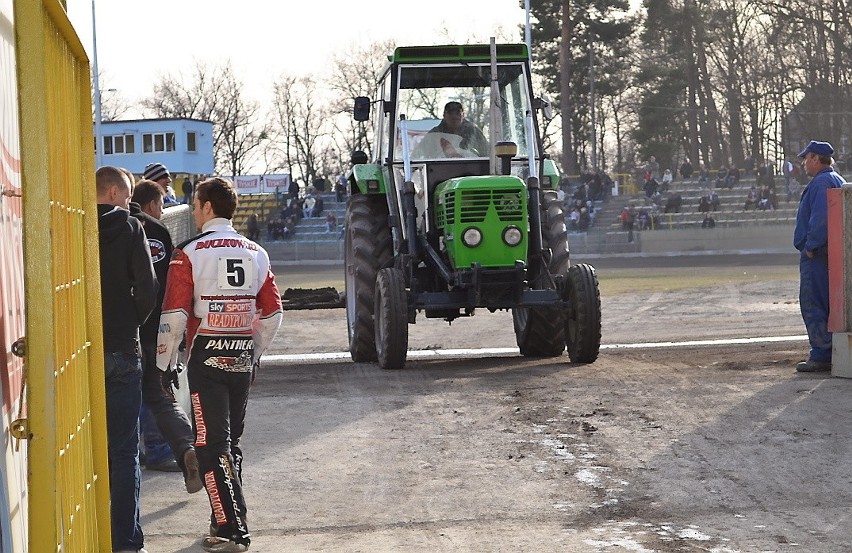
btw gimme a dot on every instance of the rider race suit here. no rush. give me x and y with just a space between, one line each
222 292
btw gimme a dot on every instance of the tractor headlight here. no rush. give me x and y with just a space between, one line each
471 237
512 236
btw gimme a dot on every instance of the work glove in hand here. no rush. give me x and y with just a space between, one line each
169 380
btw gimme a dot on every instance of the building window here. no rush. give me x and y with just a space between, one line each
158 142
119 144
190 141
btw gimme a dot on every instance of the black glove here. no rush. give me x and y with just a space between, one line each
254 367
169 381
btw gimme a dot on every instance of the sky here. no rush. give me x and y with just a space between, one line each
141 41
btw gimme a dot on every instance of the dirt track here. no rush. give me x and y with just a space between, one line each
673 449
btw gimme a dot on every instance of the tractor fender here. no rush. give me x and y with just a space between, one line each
367 178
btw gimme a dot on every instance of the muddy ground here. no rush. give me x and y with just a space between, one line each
685 448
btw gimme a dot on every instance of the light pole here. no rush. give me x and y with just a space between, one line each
99 147
527 32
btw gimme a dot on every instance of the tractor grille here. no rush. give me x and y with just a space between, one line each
474 204
446 216
509 205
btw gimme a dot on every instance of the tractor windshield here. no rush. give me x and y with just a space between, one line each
438 133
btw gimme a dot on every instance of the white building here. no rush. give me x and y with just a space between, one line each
185 146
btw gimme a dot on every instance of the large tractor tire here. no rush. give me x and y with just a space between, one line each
540 332
391 315
583 319
367 247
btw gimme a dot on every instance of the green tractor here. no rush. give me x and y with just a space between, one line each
448 218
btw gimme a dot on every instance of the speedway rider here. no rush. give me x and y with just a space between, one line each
222 292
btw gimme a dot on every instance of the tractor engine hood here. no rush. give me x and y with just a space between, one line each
483 220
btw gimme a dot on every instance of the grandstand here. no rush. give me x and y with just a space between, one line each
736 229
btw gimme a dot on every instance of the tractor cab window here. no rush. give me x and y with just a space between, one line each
445 111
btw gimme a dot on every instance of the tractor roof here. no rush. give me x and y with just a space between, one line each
458 53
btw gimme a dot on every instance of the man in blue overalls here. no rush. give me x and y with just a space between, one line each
811 239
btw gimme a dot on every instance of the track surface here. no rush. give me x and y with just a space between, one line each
712 448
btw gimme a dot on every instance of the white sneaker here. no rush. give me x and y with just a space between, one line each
215 544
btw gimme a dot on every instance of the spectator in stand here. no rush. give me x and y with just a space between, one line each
768 200
686 170
186 188
652 168
253 228
607 185
709 202
721 176
733 178
748 166
574 219
673 203
796 188
308 206
708 222
766 175
318 206
752 199
643 220
293 189
626 219
340 189
791 173
584 220
651 186
714 200
703 176
289 228
330 222
595 185
581 193
666 183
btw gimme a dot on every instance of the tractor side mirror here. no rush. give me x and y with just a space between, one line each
543 104
359 157
362 108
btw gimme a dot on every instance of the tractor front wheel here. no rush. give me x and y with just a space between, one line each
367 247
583 317
391 314
539 331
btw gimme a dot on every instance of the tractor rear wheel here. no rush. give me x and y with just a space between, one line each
367 247
391 315
583 318
540 332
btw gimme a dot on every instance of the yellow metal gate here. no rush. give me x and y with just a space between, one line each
65 419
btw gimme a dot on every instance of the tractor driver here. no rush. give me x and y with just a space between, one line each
454 122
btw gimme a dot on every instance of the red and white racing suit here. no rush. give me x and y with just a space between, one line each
221 291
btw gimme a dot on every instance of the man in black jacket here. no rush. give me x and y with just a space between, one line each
128 293
147 206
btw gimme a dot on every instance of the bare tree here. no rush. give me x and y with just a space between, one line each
301 126
213 94
356 74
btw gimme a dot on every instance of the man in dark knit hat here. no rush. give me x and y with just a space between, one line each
159 173
811 239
